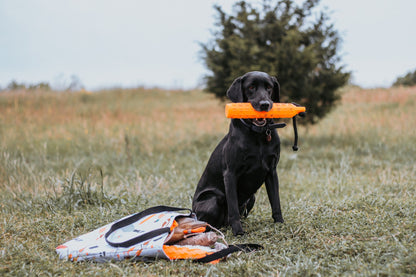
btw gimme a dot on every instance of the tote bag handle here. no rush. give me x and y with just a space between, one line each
135 217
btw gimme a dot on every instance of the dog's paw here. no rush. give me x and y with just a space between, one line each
239 232
278 219
237 229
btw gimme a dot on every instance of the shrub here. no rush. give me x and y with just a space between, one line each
407 80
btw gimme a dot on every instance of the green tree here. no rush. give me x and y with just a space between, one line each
13 85
285 40
407 80
40 86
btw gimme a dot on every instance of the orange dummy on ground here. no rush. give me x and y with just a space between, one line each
279 110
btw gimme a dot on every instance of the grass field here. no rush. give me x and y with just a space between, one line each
71 162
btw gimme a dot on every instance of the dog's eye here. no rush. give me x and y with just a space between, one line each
251 87
268 87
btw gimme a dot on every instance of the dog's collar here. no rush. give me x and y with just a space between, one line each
263 129
270 126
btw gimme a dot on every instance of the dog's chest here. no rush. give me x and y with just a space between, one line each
262 158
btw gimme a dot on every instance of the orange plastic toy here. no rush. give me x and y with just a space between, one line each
279 110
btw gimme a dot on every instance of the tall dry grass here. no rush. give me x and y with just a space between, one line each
155 117
385 113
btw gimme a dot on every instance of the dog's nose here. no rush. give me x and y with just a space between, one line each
264 105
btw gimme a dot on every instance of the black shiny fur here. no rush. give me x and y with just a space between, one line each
242 161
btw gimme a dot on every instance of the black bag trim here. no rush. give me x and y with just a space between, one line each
136 217
249 247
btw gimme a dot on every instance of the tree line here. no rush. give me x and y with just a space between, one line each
74 84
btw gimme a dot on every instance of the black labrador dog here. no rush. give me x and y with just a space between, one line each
245 159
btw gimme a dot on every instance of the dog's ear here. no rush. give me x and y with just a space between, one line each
276 91
235 91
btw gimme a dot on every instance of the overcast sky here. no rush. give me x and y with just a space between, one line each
156 43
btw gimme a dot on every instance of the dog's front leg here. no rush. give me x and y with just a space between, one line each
230 182
272 187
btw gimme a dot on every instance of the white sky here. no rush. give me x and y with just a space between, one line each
156 43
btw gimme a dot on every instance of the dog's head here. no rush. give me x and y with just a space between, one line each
258 88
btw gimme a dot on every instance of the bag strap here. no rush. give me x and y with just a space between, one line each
247 248
135 217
